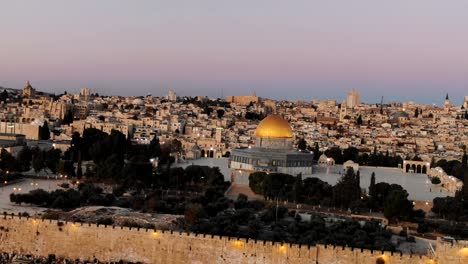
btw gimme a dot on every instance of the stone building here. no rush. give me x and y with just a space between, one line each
273 152
171 96
243 100
29 91
353 99
325 161
85 94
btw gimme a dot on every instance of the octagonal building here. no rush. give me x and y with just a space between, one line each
273 152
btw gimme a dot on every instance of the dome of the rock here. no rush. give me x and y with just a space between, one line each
274 126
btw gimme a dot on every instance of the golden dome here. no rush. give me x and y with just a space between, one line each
274 126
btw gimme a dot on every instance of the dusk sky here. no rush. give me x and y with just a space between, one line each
403 49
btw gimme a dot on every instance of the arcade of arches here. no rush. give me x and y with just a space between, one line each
412 166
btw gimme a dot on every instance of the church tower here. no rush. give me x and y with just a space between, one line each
343 111
219 134
447 104
28 90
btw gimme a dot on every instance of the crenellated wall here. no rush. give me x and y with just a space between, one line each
107 243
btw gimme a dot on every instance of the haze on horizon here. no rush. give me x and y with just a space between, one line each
403 50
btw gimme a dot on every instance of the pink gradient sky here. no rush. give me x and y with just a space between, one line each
282 49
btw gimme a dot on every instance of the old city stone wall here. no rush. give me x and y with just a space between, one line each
88 241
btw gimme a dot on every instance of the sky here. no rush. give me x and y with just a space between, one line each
298 50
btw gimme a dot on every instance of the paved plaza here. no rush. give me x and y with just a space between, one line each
418 186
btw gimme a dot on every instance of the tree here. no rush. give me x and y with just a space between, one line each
359 120
110 169
7 161
464 160
336 154
68 117
302 144
176 146
24 159
137 172
397 205
416 113
208 110
448 207
256 182
66 168
44 132
4 96
317 152
350 153
347 189
52 159
220 113
316 191
79 171
298 189
193 213
38 161
372 185
154 148
252 116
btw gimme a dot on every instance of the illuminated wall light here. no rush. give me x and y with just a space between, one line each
383 259
283 248
238 244
464 252
155 234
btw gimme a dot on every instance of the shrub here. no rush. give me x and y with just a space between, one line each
105 221
24 214
403 233
51 215
435 180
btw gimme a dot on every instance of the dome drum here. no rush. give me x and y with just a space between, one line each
274 143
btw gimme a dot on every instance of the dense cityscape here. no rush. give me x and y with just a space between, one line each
242 166
233 132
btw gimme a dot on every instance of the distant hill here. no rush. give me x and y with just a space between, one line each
11 90
20 91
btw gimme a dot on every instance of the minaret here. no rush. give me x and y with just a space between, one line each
343 111
219 134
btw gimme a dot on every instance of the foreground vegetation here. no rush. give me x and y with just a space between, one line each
391 199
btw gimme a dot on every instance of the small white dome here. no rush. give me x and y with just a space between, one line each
138 101
37 122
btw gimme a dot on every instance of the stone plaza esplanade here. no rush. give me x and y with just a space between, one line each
273 152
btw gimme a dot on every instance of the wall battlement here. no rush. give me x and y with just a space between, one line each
113 243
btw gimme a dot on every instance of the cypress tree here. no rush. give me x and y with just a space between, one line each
372 185
44 132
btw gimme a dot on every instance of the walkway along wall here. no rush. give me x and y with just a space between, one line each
107 243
